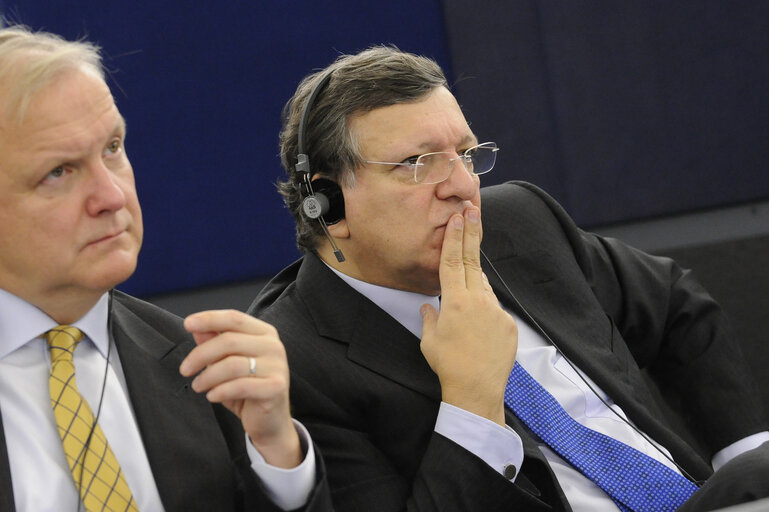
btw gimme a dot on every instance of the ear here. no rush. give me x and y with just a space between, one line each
339 229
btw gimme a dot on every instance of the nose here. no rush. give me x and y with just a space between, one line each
105 192
461 182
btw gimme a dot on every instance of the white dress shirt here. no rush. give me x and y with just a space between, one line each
499 446
31 436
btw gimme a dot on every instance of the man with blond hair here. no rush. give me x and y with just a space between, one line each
99 411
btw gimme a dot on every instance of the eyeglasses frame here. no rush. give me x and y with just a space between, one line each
464 157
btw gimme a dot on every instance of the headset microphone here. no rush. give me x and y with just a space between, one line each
323 199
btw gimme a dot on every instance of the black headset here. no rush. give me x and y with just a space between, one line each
322 198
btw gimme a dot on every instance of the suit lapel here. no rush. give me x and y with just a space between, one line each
538 287
169 414
550 292
376 341
6 486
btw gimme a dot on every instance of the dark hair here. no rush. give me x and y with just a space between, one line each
374 78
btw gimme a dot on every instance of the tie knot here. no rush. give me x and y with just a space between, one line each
62 341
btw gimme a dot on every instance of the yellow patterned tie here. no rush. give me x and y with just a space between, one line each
102 485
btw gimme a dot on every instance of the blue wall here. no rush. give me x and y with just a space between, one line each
651 108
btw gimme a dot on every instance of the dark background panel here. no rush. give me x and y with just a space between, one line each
737 275
502 82
622 110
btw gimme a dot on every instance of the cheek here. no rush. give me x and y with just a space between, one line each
133 206
58 221
476 200
364 206
128 186
49 236
137 224
390 210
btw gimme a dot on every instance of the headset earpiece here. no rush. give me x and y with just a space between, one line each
326 200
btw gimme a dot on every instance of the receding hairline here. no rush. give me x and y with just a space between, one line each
30 61
14 108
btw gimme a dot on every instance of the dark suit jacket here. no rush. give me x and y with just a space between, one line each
362 387
196 449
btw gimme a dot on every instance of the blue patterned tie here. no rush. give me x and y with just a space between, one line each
633 480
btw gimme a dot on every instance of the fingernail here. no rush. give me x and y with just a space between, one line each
473 215
190 323
458 222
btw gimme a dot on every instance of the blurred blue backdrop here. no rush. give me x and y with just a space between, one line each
620 110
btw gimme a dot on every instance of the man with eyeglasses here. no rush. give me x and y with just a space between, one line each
420 410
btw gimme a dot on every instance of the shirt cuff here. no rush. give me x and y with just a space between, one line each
738 448
499 447
287 488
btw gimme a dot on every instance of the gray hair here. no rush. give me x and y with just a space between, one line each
29 61
377 77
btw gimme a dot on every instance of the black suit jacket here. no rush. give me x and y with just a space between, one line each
196 450
362 387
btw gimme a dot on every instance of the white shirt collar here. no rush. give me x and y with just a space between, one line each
21 322
401 305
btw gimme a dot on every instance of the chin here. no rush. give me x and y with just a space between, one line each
111 273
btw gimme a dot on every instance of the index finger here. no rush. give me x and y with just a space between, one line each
471 249
452 268
220 320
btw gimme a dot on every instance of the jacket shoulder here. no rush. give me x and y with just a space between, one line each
137 311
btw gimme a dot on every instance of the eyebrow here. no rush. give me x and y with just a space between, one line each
121 124
469 138
62 154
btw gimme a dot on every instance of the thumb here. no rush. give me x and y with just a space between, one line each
429 319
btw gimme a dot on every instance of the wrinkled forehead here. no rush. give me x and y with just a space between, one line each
60 113
433 123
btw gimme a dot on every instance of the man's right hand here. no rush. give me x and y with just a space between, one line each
471 344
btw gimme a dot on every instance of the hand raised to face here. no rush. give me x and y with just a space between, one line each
471 344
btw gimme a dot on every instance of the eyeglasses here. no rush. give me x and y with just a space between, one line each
432 168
